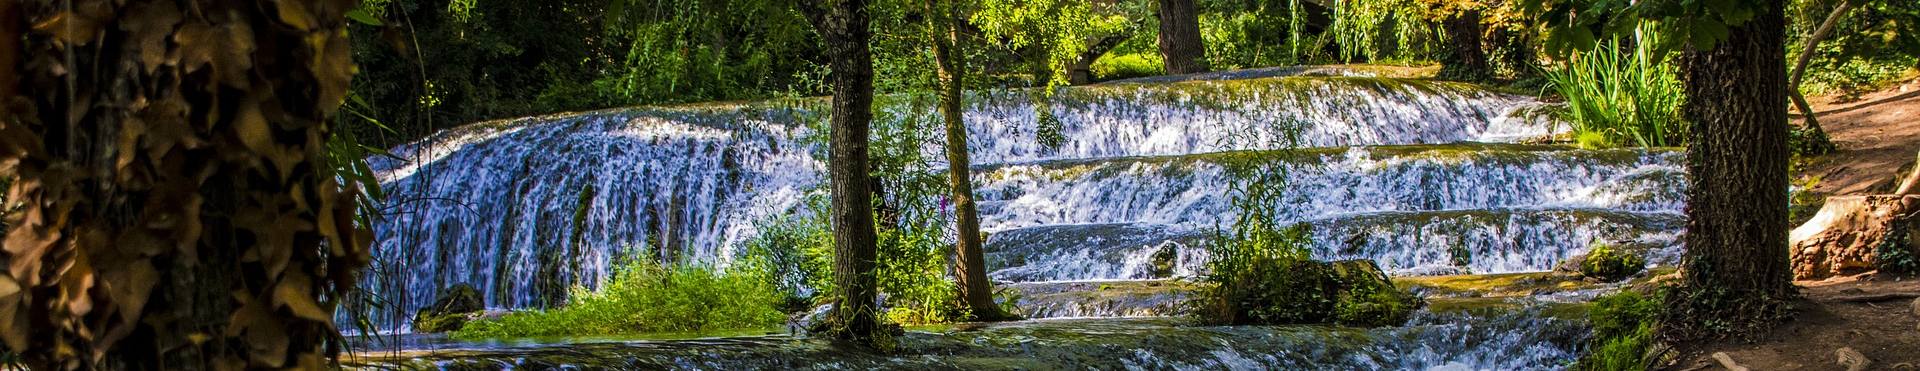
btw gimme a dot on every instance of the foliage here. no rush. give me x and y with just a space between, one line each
1265 34
646 297
1878 41
1124 66
1623 325
1366 297
1607 262
1383 30
1265 277
1056 32
190 138
1623 93
1896 252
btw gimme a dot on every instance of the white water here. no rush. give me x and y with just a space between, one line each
483 204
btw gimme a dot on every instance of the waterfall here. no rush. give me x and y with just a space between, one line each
1404 171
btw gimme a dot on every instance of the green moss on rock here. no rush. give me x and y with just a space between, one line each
1608 263
456 305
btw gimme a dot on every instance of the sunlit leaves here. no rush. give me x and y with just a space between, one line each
1579 24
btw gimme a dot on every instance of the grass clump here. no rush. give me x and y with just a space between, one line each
1126 66
646 297
1623 93
1609 263
1623 332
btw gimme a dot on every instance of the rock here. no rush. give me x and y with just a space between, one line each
1165 259
1727 362
457 305
1607 262
1916 307
1851 233
1367 297
1853 359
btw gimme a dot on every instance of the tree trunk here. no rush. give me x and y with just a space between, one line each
179 212
1082 70
1180 43
1465 60
1820 143
842 26
1736 264
976 289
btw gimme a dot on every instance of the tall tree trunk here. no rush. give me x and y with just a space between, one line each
1736 263
1180 43
179 212
842 25
1465 60
976 289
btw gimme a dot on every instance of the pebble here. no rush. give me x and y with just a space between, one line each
1853 359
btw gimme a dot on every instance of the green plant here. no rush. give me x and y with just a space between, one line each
1122 66
646 297
1382 31
1607 262
1622 92
1623 325
1895 253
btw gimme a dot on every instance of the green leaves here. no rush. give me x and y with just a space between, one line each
1575 25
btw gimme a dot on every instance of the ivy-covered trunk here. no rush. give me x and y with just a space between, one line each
1736 265
179 212
842 25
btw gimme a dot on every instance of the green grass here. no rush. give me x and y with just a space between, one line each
1623 326
645 297
1622 94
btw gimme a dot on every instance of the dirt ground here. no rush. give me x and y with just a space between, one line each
1878 136
1874 315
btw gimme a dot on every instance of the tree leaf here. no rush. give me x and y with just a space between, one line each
362 16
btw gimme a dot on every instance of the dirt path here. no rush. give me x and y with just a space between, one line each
1873 315
1877 135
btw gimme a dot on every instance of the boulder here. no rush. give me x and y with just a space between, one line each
1303 291
1855 234
1609 263
451 311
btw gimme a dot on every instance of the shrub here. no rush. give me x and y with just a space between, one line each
1622 93
1125 66
1368 298
1608 263
1269 279
1623 326
645 297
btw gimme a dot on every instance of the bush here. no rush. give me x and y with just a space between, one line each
1623 326
1126 66
1368 298
1609 263
1622 93
645 297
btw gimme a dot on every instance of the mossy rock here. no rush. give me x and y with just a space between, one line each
456 305
1368 298
1302 291
1609 263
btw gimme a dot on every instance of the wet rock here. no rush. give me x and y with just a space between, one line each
1854 234
1607 262
1300 291
457 305
1853 359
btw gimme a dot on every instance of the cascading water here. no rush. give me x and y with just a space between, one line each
1421 176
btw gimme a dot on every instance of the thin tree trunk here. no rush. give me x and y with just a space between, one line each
842 25
1082 70
976 289
1180 43
1736 263
1800 69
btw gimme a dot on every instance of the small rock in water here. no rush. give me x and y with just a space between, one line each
1727 361
1853 359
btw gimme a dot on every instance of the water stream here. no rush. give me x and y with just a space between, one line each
1422 176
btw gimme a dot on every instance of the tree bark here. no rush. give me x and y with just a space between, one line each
1465 60
1180 43
976 289
842 25
179 212
1082 70
1736 263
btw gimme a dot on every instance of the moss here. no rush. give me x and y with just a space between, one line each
1367 298
456 305
1504 285
1623 326
1609 263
